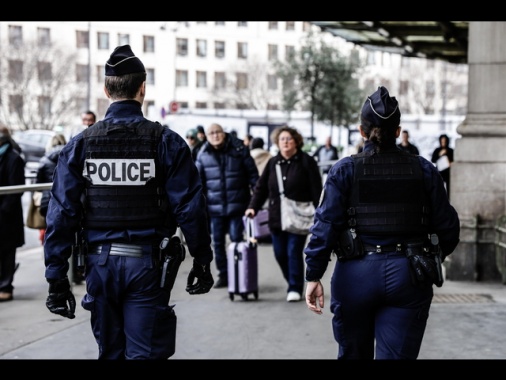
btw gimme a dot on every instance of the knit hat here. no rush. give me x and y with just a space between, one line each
192 133
200 129
123 61
381 110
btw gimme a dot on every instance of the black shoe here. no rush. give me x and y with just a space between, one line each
221 283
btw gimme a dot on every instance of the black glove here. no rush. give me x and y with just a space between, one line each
204 278
424 270
59 295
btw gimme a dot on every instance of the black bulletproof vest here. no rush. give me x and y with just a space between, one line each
388 196
120 148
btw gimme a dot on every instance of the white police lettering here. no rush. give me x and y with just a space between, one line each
119 172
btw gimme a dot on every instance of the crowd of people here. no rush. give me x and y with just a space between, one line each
204 184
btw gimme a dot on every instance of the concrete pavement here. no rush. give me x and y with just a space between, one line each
467 320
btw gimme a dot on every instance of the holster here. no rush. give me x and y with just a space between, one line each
172 254
350 246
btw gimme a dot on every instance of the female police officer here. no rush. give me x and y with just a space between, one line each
137 182
376 212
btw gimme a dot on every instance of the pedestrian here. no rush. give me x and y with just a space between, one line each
406 145
12 232
125 184
259 154
377 211
47 164
193 142
201 133
326 152
88 118
302 182
442 157
229 175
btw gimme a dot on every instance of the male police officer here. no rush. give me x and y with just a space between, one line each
125 184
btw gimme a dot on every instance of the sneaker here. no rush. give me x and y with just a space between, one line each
221 283
5 296
293 297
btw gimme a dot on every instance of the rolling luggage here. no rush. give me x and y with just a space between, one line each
242 261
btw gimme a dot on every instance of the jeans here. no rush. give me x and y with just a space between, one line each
288 250
220 226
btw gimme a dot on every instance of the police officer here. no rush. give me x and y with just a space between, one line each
128 183
376 212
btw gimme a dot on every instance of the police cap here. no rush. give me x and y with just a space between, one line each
381 110
123 61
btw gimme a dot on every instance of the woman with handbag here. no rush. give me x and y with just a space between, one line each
301 182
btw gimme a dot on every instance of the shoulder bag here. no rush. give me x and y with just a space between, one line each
296 217
34 219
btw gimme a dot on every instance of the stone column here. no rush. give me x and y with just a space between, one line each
478 174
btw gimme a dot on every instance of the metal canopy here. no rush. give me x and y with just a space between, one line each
444 40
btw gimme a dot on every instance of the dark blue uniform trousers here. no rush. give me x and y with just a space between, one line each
130 313
375 305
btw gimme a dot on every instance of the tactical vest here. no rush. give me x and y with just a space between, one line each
123 186
388 197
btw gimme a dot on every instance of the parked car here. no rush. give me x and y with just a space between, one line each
33 144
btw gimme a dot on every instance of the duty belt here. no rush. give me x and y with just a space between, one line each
383 248
118 249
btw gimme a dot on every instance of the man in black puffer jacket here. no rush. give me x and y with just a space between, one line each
229 174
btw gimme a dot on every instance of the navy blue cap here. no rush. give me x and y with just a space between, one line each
123 61
382 110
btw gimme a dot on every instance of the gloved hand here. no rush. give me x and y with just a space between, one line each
204 278
423 270
60 299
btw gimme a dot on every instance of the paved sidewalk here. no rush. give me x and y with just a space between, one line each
467 321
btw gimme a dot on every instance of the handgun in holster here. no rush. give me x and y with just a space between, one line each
436 251
172 254
350 245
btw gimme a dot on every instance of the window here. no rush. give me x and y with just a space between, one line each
241 81
219 49
272 107
219 105
181 78
183 105
273 25
44 71
272 82
150 76
15 70
148 44
273 52
100 70
44 105
430 88
103 41
81 73
242 50
403 88
219 80
200 105
43 36
219 23
290 25
242 24
289 52
148 104
82 39
15 35
201 79
16 104
123 39
306 26
201 48
182 46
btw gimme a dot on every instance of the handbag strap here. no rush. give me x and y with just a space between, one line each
280 179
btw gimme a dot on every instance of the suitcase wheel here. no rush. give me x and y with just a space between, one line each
244 296
256 295
231 296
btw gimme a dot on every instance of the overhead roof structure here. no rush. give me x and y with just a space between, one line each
444 40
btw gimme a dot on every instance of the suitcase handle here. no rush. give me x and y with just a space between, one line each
250 232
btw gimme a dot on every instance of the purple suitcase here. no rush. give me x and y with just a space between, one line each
242 261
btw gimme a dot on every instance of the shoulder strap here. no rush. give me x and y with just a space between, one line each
280 179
